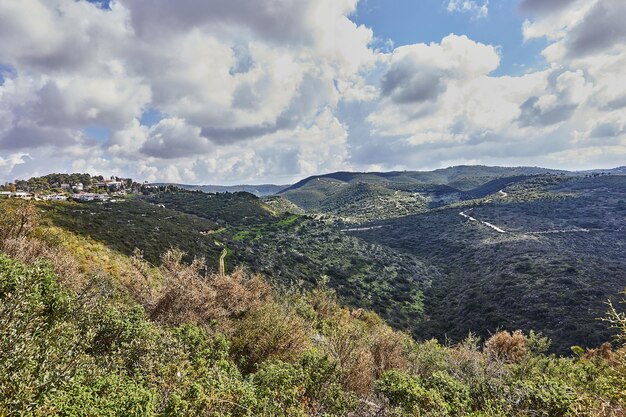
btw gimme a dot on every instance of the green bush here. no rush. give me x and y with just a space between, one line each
454 392
40 351
322 382
281 387
408 397
543 396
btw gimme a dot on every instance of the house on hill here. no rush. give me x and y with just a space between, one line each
24 195
86 197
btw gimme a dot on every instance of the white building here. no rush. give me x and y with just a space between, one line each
23 195
84 197
56 197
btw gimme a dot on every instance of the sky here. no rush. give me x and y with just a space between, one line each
272 91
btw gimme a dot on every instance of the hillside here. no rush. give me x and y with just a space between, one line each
368 196
545 253
87 330
462 177
415 257
557 262
289 249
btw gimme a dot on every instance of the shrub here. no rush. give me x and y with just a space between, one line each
543 396
281 388
408 397
101 394
454 392
427 358
40 351
30 250
18 218
188 296
322 381
270 333
347 343
389 349
507 347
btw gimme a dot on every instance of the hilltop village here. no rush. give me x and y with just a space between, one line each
78 187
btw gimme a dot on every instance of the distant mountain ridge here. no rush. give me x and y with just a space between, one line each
260 190
362 196
443 176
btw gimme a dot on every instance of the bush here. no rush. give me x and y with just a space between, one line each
188 296
454 392
281 387
270 333
40 350
408 397
507 347
106 395
18 218
322 381
428 357
543 396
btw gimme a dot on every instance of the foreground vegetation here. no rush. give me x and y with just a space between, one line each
86 330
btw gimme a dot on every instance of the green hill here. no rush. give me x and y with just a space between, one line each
379 195
543 251
411 257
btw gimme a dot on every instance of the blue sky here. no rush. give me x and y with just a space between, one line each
406 22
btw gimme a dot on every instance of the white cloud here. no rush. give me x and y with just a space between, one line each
276 90
223 72
469 6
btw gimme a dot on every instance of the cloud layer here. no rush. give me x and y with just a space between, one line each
276 90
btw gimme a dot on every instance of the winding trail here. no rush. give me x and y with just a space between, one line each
473 219
541 232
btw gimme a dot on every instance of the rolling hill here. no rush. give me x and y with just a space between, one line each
379 195
476 249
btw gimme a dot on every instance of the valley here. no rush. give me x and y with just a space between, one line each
506 249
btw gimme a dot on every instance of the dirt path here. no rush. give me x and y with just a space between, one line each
470 218
361 229
541 232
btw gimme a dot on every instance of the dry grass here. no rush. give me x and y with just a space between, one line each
389 349
604 352
29 250
189 296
